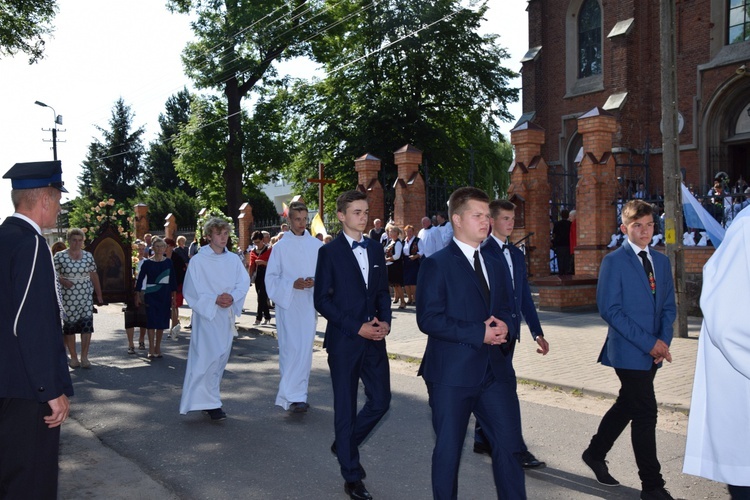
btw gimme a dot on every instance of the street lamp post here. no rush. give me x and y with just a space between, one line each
58 121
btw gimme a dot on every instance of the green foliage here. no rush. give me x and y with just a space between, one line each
23 25
402 72
162 203
200 149
235 46
159 171
200 152
112 168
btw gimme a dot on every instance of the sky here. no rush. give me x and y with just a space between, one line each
101 51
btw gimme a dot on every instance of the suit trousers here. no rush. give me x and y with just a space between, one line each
351 428
451 409
635 404
28 450
511 404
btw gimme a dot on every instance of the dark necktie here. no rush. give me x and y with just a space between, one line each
480 276
649 271
362 243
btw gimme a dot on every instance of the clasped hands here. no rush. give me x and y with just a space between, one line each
224 300
375 329
660 352
302 283
495 331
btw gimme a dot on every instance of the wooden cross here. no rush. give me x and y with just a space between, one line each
321 181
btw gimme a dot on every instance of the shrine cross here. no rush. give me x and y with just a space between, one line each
321 181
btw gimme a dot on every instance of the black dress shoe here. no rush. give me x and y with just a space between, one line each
357 491
601 471
529 461
656 494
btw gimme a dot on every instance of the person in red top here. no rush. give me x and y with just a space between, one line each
258 261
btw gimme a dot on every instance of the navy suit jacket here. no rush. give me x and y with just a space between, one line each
520 296
451 310
636 317
342 297
33 364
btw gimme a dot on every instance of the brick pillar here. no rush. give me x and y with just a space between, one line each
410 203
141 220
170 226
528 181
245 219
596 191
368 168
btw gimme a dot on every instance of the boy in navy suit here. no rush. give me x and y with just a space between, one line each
351 292
512 276
635 295
465 364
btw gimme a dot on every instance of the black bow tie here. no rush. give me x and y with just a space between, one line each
504 248
362 243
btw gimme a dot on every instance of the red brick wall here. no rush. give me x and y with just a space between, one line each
630 63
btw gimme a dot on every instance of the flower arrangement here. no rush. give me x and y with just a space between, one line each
108 213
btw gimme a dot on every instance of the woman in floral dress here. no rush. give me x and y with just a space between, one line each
76 272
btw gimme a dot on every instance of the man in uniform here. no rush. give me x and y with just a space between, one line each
35 383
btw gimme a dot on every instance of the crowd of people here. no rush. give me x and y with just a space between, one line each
472 293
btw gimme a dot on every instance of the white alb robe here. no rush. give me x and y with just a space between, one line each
208 276
296 319
718 439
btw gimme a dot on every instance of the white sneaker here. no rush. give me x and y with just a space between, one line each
175 332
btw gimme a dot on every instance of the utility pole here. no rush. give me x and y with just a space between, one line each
671 160
58 121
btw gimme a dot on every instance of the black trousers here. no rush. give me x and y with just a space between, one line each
635 405
28 450
263 309
739 492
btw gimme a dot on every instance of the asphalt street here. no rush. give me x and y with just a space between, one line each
126 439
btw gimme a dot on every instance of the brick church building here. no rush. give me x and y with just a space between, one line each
592 112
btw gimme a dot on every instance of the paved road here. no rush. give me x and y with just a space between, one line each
127 440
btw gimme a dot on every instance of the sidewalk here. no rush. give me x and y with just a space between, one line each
575 342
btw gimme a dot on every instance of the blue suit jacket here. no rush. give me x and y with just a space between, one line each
342 298
522 304
451 310
636 317
33 364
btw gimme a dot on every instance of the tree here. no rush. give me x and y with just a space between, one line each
200 154
160 159
237 43
403 72
163 202
23 25
112 168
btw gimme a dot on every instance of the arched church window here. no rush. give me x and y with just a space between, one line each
739 21
590 39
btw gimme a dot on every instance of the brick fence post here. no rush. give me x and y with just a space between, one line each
596 191
141 220
529 189
368 168
410 203
170 226
245 219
